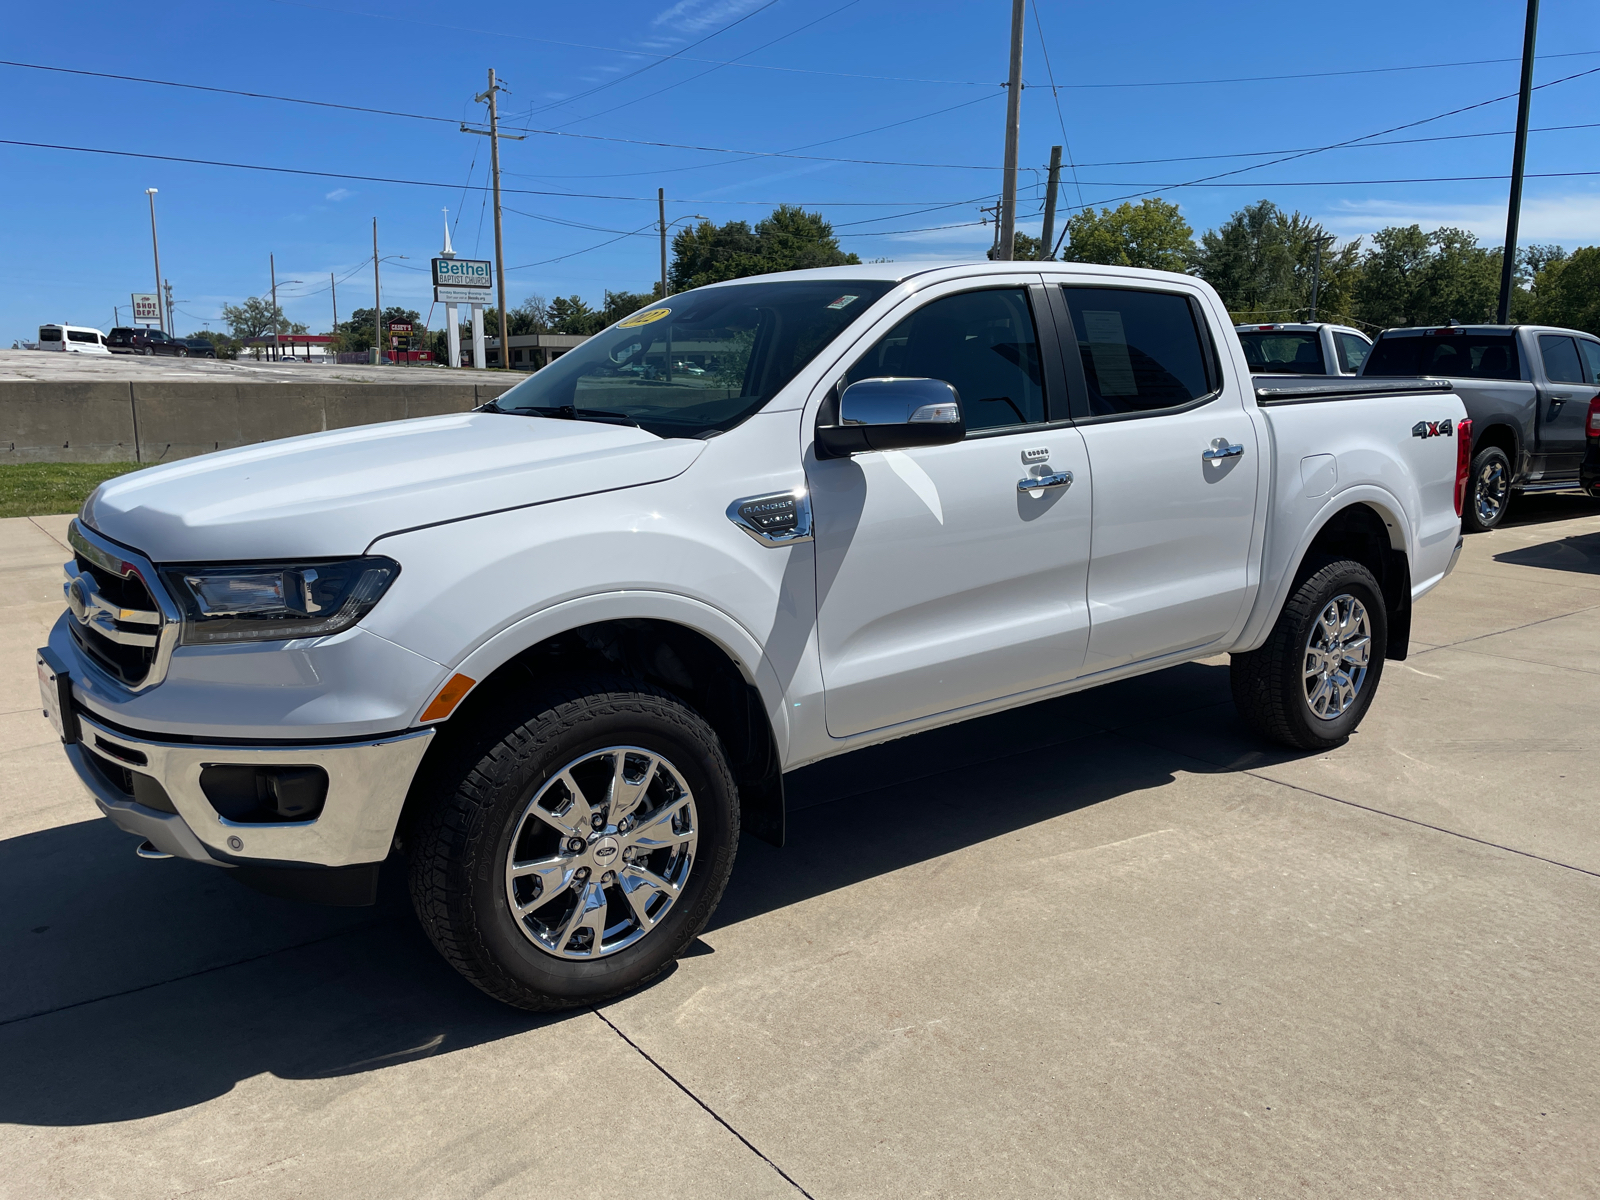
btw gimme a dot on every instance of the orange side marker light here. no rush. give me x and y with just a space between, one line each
450 695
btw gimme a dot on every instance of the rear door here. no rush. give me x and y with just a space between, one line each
1175 462
1563 405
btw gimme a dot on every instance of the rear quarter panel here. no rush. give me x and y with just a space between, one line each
1329 455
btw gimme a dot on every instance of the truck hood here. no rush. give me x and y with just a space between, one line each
334 493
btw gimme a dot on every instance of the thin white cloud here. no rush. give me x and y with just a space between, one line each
339 194
1571 220
696 16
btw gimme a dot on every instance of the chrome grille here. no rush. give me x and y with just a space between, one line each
121 621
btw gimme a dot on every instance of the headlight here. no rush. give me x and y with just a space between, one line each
258 602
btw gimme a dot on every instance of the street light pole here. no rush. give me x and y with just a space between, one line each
272 270
1508 260
377 302
155 245
1008 185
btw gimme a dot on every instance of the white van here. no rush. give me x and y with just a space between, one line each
72 339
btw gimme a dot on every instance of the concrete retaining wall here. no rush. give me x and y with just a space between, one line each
150 422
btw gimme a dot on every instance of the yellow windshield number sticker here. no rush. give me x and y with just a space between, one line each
644 318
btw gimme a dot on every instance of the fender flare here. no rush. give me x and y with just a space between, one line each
1269 604
728 634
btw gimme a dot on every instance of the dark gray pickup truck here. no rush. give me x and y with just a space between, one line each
1527 389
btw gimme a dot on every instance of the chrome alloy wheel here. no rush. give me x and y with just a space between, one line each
601 853
1489 496
1337 650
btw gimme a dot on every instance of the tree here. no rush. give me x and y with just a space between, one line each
1150 234
1262 261
1415 278
1566 291
1023 247
790 239
254 318
572 314
625 304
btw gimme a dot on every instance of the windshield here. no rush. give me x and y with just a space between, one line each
1283 352
699 363
1469 355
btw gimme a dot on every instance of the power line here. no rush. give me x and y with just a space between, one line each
1207 179
1055 93
586 250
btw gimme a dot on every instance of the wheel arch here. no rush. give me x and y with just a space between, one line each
1500 431
687 648
1364 523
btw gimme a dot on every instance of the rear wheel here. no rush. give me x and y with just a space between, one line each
1313 680
1488 490
578 856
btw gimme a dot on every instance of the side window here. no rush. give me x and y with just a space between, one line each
981 343
1591 360
1142 351
1353 352
1560 359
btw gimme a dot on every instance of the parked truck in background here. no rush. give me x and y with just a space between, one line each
1527 389
1313 348
551 656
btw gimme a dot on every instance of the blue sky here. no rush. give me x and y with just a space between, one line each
76 226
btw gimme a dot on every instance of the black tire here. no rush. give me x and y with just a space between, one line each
149 351
1488 490
1270 683
458 878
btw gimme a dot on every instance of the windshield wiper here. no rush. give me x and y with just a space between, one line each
564 412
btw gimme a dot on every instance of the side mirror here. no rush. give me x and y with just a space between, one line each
891 414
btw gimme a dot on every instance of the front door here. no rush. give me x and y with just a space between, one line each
940 583
1175 463
1563 405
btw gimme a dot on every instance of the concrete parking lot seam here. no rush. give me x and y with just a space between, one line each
1511 629
715 1116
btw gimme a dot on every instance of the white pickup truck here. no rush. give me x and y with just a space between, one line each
551 656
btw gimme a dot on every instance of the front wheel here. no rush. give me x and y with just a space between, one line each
1488 490
1313 680
578 856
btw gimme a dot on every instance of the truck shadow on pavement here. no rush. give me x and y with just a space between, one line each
136 988
1579 553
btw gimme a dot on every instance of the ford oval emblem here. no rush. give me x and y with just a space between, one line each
78 599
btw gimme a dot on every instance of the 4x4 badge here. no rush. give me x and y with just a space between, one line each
1428 429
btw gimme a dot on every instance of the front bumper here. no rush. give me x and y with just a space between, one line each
367 786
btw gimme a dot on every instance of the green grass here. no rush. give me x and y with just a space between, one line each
39 489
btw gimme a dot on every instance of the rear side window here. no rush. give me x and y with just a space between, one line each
1286 353
1459 356
1142 351
83 335
1560 356
1353 352
1591 360
50 334
981 343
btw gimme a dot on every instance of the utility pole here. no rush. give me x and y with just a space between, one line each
155 245
272 271
333 287
377 302
172 320
661 219
495 136
1316 275
1048 233
1008 186
1508 261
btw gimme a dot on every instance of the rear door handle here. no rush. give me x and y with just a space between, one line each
1045 483
1222 448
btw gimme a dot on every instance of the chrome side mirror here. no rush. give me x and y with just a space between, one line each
891 414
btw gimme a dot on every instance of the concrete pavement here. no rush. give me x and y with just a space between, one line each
1108 945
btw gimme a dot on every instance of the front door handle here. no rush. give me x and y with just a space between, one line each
1045 483
1222 448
